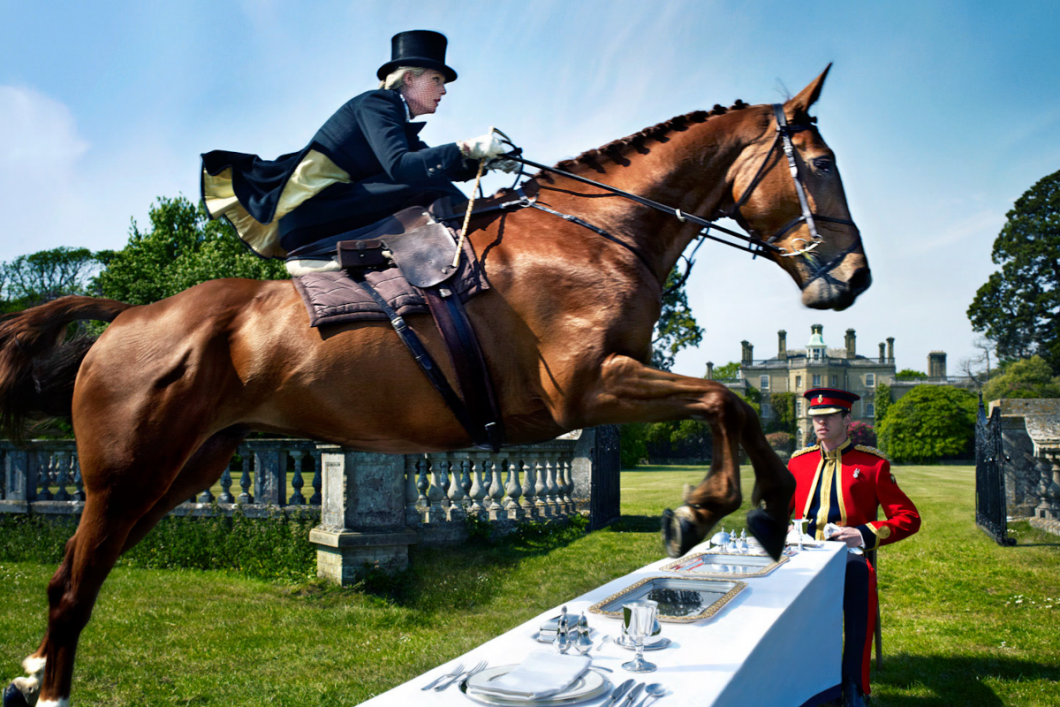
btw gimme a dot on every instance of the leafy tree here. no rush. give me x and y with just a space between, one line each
1019 307
908 374
181 249
676 328
929 423
632 444
783 413
781 441
39 277
729 371
1031 378
883 403
679 439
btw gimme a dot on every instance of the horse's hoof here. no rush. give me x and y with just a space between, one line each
679 533
767 531
13 697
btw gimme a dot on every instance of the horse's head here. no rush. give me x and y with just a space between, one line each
821 247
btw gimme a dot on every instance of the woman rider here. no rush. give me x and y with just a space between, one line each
364 164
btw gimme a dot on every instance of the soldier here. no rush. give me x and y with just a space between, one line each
839 489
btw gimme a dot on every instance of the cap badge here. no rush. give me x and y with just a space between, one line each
820 399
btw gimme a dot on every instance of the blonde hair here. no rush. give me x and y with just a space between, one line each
396 78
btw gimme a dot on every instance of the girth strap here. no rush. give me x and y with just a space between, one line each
481 437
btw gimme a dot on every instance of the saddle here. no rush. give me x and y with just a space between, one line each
403 265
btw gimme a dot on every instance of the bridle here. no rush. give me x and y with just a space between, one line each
752 244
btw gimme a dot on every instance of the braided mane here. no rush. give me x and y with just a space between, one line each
615 148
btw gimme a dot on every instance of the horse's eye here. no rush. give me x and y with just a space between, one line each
822 164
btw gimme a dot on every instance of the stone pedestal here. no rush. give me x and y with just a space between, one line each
362 518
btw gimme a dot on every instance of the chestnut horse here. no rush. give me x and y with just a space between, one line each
162 398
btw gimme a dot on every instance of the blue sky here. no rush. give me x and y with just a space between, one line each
941 115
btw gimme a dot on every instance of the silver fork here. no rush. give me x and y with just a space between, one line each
451 674
451 680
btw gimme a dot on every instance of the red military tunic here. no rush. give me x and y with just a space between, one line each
848 486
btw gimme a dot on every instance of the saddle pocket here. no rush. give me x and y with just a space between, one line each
364 254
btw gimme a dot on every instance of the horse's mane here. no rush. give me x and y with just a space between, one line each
616 148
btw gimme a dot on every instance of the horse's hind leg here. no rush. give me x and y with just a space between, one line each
73 589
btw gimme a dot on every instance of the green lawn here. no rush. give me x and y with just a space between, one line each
966 622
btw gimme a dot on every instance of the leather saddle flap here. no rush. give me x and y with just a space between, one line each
424 255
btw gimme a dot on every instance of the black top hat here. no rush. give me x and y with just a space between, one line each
418 47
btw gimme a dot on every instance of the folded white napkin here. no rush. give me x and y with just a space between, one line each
542 674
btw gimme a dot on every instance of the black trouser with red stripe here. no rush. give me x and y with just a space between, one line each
855 618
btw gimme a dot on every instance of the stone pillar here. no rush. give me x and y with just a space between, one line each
782 345
362 517
890 349
710 370
937 365
270 474
851 344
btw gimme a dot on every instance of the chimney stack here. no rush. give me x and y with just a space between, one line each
710 370
890 348
883 352
782 345
748 353
851 340
937 365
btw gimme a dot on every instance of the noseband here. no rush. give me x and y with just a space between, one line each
753 244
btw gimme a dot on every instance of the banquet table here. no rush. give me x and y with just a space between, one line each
777 643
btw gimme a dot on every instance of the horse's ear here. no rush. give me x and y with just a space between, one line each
800 104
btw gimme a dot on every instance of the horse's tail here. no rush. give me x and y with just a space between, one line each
38 365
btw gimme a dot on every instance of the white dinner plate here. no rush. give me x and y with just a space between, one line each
588 687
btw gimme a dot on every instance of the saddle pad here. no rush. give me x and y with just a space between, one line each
334 298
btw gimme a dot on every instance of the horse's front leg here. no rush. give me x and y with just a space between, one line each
628 391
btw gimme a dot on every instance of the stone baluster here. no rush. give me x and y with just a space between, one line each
226 485
496 490
568 483
412 494
445 467
318 479
458 491
423 483
62 466
79 483
436 490
514 490
478 488
529 488
244 480
541 488
553 486
47 461
561 482
297 482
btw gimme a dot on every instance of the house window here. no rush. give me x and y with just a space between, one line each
798 382
798 438
870 410
870 380
835 381
816 380
767 411
816 354
798 407
763 382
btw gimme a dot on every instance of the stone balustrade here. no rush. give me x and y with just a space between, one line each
1031 445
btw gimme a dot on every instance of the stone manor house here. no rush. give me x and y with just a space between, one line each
817 365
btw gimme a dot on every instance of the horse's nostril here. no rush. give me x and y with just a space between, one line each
860 280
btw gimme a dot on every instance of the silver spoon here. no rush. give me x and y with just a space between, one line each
655 690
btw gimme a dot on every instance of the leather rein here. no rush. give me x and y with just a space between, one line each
752 244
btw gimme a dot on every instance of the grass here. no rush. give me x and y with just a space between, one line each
966 622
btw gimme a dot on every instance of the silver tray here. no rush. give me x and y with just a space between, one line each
724 566
586 688
681 599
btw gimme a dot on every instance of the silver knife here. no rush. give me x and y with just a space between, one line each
632 697
619 691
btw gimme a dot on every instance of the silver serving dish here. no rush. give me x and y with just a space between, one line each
724 566
588 687
680 599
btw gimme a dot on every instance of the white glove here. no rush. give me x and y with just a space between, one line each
502 165
482 147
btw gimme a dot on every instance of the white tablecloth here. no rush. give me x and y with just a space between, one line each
776 644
